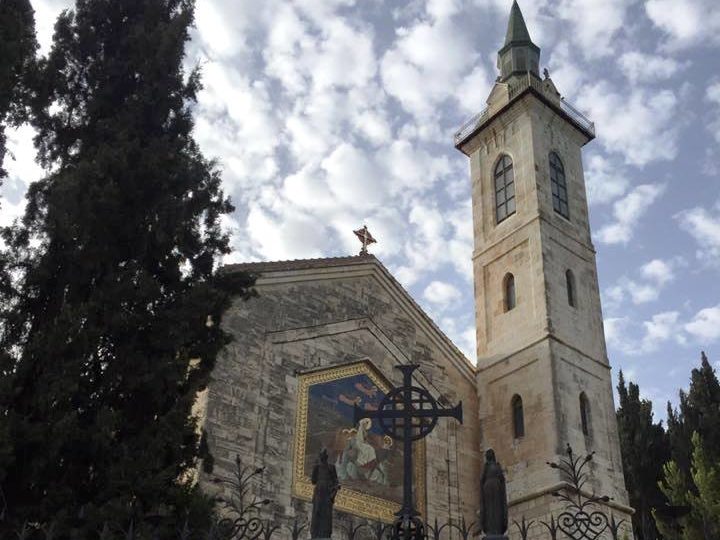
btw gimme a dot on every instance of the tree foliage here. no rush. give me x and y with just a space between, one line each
699 411
17 51
645 448
107 341
700 493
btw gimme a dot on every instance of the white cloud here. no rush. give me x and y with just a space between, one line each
288 38
686 22
596 23
705 325
221 32
22 170
425 66
704 226
642 67
322 10
659 329
443 9
639 124
441 293
638 339
295 235
473 90
712 95
566 72
605 180
460 245
46 13
627 213
659 271
615 331
411 169
642 293
343 46
354 178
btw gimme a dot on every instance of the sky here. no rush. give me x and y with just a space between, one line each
329 114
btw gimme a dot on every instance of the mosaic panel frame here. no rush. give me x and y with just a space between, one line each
349 500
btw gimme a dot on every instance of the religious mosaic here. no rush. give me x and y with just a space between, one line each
368 462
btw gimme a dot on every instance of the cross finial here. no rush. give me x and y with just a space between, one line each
366 238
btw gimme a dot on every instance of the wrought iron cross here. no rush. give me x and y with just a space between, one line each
407 414
366 238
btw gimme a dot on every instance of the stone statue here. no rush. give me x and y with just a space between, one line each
494 510
325 480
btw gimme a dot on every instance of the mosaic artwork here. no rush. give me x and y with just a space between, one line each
369 463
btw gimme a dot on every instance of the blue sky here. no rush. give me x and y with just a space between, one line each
329 114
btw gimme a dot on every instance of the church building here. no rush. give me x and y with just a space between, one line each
324 335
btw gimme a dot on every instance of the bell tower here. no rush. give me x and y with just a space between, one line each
543 373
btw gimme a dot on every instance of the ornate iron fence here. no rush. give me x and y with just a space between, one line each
583 518
240 516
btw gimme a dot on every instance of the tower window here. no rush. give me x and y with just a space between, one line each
518 417
504 188
585 414
509 292
559 186
570 284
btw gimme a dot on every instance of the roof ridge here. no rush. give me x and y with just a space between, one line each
292 264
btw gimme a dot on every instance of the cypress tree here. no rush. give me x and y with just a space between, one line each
115 326
645 448
17 54
703 500
699 411
17 60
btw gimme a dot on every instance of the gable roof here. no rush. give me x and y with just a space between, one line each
277 272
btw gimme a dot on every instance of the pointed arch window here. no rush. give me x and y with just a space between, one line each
585 414
570 285
504 188
559 186
509 292
518 417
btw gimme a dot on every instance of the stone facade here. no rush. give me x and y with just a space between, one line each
316 314
544 350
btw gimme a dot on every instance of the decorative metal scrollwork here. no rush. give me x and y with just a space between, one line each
582 525
581 519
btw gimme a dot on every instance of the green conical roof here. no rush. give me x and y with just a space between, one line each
517 31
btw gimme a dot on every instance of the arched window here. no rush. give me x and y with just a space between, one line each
585 414
570 284
518 417
504 188
559 186
509 291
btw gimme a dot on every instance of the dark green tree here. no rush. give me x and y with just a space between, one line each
17 57
698 411
645 448
17 60
699 494
115 325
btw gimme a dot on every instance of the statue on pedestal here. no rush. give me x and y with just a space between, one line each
494 510
325 480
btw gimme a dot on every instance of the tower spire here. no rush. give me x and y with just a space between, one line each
519 54
517 31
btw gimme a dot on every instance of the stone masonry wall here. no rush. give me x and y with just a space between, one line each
306 319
